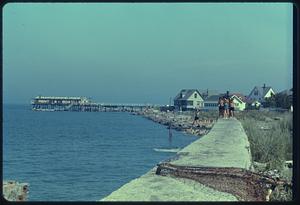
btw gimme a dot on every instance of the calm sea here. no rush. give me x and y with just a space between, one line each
80 156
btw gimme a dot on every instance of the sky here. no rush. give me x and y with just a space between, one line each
144 52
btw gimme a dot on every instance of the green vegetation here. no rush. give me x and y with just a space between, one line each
279 100
271 142
270 136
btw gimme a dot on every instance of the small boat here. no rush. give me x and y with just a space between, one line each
175 150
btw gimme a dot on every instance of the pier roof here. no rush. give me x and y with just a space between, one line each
60 98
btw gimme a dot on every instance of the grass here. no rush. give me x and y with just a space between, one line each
271 142
270 136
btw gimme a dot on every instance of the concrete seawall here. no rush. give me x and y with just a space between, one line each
226 145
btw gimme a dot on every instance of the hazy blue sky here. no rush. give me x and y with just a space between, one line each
143 53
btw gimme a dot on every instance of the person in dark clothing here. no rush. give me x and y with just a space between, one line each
231 108
221 107
196 118
226 108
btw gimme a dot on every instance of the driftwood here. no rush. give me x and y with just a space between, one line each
244 184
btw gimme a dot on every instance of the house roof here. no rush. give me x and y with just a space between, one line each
239 95
205 93
287 92
214 97
262 90
186 93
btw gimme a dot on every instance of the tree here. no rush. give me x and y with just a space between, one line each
283 101
280 100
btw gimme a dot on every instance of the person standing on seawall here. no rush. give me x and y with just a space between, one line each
226 106
231 108
221 107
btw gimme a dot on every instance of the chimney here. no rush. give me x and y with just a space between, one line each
264 86
227 93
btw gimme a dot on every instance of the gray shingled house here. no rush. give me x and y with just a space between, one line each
260 94
188 99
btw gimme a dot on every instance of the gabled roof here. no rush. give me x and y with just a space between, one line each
206 93
240 96
214 97
184 94
262 90
236 97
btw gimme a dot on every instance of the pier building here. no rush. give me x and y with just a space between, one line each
51 103
83 104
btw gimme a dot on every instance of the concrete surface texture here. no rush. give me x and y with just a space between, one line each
226 145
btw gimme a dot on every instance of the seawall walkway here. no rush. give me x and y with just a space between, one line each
226 145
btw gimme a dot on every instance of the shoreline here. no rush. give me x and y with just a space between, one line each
179 121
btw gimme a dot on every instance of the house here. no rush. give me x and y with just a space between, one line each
260 94
211 102
206 93
239 101
188 99
254 104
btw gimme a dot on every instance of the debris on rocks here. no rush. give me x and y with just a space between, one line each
15 191
179 122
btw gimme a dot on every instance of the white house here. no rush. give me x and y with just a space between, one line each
239 101
260 94
188 99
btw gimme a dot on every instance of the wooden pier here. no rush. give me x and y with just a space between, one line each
83 104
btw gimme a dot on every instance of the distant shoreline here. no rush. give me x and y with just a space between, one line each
181 121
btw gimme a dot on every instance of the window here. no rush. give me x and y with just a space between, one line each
189 102
195 95
255 92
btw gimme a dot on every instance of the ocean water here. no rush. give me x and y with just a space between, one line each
80 156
